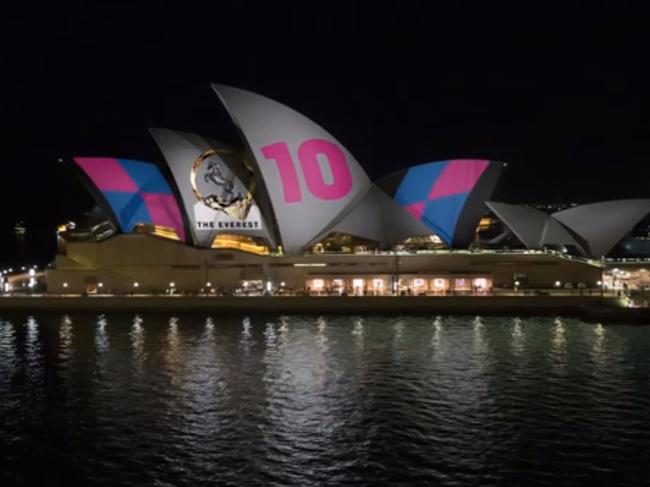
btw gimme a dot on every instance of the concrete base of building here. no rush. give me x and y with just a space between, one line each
460 305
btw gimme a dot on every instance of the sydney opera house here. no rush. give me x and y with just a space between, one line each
292 210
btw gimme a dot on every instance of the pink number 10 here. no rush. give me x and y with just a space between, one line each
308 153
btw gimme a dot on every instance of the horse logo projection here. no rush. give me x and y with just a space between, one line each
216 184
224 201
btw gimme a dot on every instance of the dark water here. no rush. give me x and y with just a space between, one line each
322 401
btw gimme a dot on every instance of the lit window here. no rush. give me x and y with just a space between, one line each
461 284
418 282
480 283
357 283
439 283
318 284
378 283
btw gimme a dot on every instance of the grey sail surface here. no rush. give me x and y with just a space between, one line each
309 177
534 228
526 223
603 225
181 150
379 218
556 234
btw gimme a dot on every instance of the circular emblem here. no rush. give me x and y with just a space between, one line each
229 196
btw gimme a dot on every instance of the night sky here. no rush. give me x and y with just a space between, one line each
561 95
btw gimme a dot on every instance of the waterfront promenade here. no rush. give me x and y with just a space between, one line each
525 305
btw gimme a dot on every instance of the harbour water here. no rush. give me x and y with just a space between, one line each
194 400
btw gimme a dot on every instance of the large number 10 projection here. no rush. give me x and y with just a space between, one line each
309 176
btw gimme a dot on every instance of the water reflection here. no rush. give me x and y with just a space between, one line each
8 353
296 400
209 329
7 342
284 325
559 335
269 335
246 335
558 345
33 369
437 329
478 323
173 352
172 338
517 336
66 336
480 345
137 341
101 336
398 328
599 343
321 337
357 332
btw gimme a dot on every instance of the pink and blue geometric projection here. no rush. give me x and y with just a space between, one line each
435 193
136 192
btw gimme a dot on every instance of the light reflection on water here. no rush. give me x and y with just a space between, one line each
301 400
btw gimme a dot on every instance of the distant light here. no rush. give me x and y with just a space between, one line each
269 286
208 284
599 283
136 284
282 284
32 272
22 268
171 284
517 283
100 284
310 264
65 284
558 283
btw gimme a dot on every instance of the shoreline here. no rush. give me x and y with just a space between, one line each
588 308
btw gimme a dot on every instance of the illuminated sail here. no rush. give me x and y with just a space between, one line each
309 177
133 192
215 186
